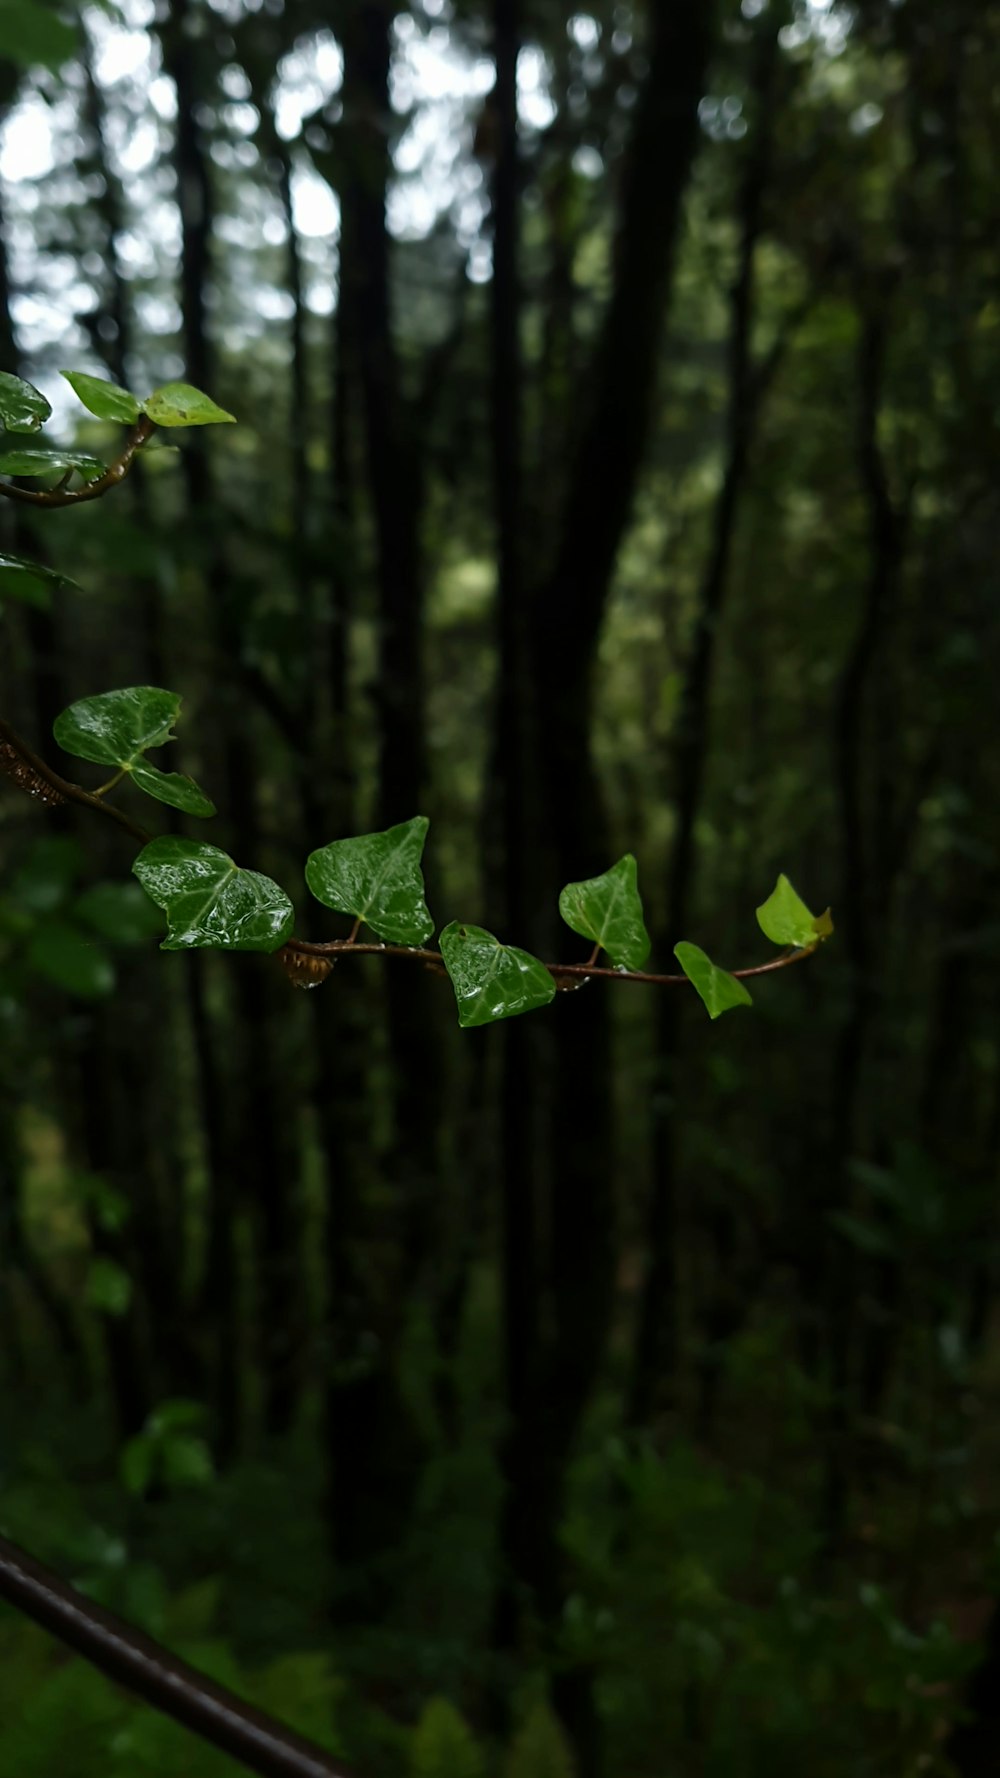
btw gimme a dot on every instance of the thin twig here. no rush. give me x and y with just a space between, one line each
336 947
95 490
65 789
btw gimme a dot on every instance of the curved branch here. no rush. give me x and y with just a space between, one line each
579 972
37 779
158 1677
115 473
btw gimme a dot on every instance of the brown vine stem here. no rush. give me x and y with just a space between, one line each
336 947
63 788
95 490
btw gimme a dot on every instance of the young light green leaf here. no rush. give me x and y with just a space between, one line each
785 919
492 981
178 404
32 460
71 959
208 900
23 408
174 788
114 728
377 878
608 910
718 989
103 398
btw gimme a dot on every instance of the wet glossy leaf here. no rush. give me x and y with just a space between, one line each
608 911
178 404
174 788
33 460
114 728
718 989
376 878
108 1286
103 398
492 981
23 408
208 900
785 919
71 960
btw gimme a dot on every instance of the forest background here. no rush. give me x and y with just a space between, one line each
609 1392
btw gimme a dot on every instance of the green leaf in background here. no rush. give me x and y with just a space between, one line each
608 911
785 919
540 1748
178 404
174 788
71 960
48 873
492 981
718 989
102 398
118 912
377 878
32 36
208 900
443 1744
30 582
23 408
108 1287
33 460
114 728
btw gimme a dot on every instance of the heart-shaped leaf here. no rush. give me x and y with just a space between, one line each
174 788
33 460
104 399
23 408
377 878
492 981
608 911
718 989
785 919
209 901
178 404
114 728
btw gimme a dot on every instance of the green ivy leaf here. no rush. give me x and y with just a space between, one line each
114 728
178 404
718 989
33 460
108 1286
32 35
71 959
377 878
174 788
208 900
30 582
785 919
103 398
608 911
23 408
492 981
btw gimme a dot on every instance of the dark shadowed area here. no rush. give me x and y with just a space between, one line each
606 1391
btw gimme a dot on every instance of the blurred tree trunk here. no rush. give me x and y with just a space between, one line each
261 1124
556 829
656 1342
